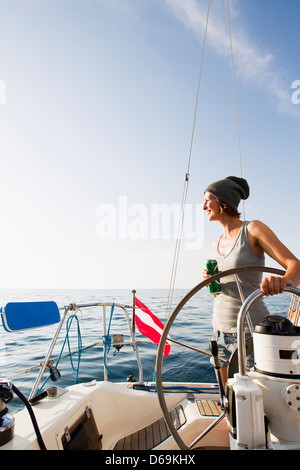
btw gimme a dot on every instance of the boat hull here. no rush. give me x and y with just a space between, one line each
120 416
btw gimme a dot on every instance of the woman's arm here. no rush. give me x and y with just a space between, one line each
263 239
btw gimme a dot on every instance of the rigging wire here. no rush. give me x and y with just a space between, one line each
186 184
187 175
235 100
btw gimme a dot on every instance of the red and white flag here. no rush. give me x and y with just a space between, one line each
149 325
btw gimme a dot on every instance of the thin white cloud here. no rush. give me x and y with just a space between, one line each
131 8
253 65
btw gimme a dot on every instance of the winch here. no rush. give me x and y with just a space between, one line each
276 345
267 397
277 373
7 422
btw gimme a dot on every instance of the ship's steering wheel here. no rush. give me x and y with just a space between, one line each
176 311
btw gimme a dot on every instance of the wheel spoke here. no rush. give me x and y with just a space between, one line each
193 348
189 346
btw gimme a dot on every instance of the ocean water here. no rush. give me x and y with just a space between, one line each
21 352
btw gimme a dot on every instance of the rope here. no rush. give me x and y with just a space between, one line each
32 416
69 322
67 340
106 339
294 312
186 184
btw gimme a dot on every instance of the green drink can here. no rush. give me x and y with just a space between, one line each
212 269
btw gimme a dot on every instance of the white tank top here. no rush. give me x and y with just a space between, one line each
228 303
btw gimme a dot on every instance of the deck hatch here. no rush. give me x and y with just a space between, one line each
82 434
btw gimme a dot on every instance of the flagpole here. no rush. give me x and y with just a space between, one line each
135 346
133 311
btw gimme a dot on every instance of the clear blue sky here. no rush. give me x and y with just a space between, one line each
98 108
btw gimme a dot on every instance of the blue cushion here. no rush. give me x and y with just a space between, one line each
22 315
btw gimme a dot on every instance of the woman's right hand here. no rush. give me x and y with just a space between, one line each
206 276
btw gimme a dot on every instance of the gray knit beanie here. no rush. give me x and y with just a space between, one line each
230 190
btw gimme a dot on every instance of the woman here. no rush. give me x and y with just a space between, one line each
242 244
